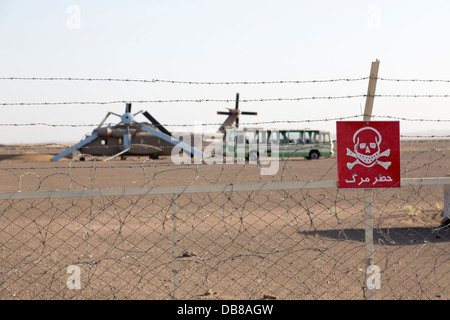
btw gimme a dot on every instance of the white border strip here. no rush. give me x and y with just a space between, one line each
198 189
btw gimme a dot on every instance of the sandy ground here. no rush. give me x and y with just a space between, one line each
296 244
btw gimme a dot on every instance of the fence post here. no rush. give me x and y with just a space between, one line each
175 254
368 193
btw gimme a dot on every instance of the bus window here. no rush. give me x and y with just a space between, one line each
324 138
295 137
284 139
273 137
315 137
311 137
307 137
230 135
251 137
240 138
263 136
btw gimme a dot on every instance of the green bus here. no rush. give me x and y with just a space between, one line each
283 143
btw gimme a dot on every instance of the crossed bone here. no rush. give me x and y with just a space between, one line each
381 163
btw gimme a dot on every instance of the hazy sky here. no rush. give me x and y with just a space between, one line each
219 41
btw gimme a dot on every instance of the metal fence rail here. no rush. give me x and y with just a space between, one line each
285 240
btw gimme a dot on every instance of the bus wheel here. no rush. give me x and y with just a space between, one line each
313 155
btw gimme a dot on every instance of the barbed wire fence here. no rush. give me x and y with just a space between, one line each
150 229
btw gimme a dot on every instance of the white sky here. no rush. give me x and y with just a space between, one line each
225 40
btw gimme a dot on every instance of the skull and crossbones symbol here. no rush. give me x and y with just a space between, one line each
367 151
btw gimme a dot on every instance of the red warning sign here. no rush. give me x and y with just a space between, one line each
368 154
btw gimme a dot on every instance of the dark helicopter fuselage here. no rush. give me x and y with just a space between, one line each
110 142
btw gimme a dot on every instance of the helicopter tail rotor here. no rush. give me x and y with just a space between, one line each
233 115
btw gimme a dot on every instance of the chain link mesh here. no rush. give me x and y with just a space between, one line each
278 243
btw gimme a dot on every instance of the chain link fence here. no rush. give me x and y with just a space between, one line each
152 230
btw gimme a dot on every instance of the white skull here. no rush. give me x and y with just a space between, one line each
367 145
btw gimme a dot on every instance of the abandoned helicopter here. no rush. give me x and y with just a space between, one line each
132 138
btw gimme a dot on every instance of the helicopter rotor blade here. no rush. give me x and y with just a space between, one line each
173 141
75 147
118 154
233 115
156 123
236 110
